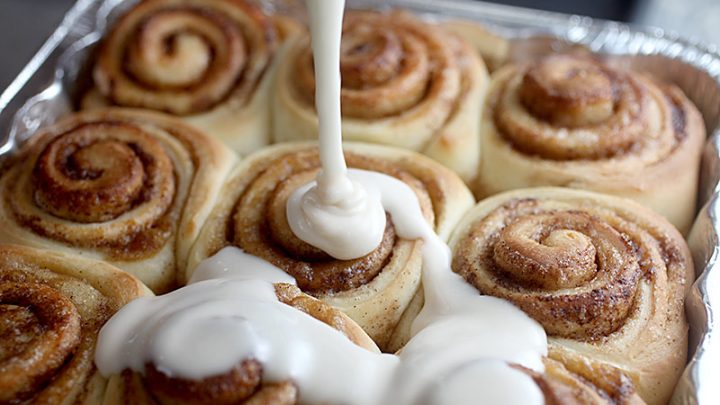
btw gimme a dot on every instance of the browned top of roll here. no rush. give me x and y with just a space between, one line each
96 171
574 107
112 180
51 309
40 330
259 224
185 57
572 265
569 90
583 382
389 63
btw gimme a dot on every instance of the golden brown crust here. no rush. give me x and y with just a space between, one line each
571 120
129 187
605 277
374 290
52 306
405 82
385 68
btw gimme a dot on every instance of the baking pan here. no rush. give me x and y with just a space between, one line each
47 87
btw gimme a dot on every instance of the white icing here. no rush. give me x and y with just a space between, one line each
227 263
460 348
350 228
462 342
485 377
209 327
333 213
198 321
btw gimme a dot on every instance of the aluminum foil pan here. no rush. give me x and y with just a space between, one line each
47 86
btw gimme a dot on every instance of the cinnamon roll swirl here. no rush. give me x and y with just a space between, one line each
572 121
132 188
373 290
241 385
209 61
405 82
604 276
52 306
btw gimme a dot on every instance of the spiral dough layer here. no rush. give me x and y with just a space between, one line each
373 290
52 306
573 121
604 276
131 188
405 83
209 61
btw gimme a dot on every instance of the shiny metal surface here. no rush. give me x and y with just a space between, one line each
44 90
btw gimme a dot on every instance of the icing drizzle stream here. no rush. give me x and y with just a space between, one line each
333 213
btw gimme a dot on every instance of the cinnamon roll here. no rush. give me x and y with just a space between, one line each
405 82
132 188
52 306
572 121
605 276
584 381
373 290
208 61
241 385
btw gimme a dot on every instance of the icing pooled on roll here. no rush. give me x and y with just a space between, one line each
210 327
